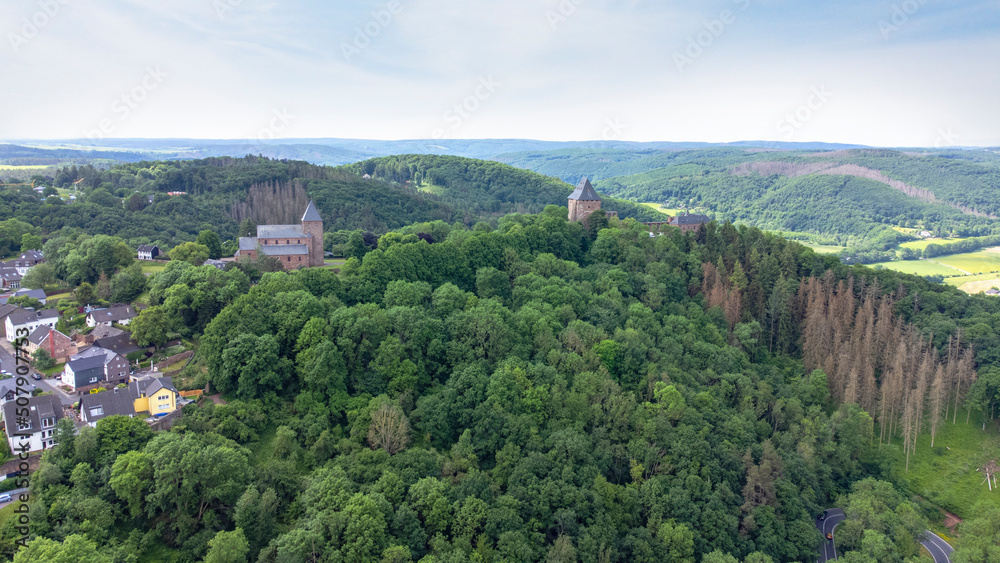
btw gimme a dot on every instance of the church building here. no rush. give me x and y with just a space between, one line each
295 246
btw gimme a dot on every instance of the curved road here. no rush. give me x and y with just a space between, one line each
827 523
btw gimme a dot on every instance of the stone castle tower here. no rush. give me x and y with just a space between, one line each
312 225
583 201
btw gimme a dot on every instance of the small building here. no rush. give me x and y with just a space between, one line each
218 264
26 261
35 431
993 291
23 322
689 222
121 314
32 293
8 390
157 395
95 406
83 373
149 252
121 344
57 344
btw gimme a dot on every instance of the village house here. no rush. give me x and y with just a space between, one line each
57 344
28 259
121 344
295 246
32 293
8 390
35 431
149 252
10 278
22 322
116 367
84 374
689 222
155 396
121 314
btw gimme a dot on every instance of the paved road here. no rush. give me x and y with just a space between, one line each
13 495
938 548
826 525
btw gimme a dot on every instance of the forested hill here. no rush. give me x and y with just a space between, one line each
404 190
486 187
853 197
537 391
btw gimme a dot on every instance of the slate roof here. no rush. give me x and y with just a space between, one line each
689 219
584 192
48 314
151 385
113 314
121 344
284 249
10 274
22 316
45 406
311 214
115 401
105 354
35 255
280 231
6 309
217 263
248 243
34 293
105 331
147 247
41 334
88 363
10 385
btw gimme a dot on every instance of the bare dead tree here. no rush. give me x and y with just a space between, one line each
389 430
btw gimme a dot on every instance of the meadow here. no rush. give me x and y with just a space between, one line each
980 262
924 243
920 267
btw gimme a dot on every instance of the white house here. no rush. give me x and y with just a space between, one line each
121 314
32 427
29 321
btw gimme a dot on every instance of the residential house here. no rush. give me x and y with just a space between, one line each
99 331
6 310
57 344
116 367
84 374
33 293
121 314
35 431
95 406
149 251
121 344
8 390
10 278
22 322
26 261
993 291
156 396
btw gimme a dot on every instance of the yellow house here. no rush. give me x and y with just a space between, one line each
155 395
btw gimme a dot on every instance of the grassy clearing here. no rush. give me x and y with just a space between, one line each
922 244
961 280
973 262
920 268
431 189
946 475
974 287
27 167
153 267
665 210
822 248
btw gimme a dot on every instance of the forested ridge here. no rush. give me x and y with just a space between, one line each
115 201
540 391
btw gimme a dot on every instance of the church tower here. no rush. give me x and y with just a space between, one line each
583 201
312 225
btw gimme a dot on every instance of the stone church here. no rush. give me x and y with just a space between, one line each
295 246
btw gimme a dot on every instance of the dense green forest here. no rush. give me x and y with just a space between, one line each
851 198
537 391
115 201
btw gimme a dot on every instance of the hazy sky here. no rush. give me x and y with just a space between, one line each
878 72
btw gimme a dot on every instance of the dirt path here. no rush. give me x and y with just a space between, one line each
947 266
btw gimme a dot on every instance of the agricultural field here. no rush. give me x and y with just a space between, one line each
671 211
980 262
28 167
924 243
920 267
974 287
822 248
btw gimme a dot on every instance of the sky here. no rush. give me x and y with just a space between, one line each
902 73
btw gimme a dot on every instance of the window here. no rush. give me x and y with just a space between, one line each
163 397
96 411
164 407
24 426
46 422
93 380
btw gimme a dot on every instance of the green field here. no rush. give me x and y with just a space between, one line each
28 167
946 475
670 211
959 280
922 244
980 262
153 267
822 248
919 267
